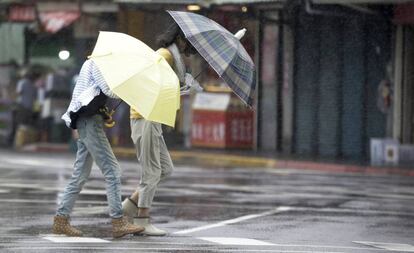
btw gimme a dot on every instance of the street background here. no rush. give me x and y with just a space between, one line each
334 79
322 162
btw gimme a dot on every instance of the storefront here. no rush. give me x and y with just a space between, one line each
341 58
56 36
403 120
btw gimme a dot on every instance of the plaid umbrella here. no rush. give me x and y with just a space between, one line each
222 50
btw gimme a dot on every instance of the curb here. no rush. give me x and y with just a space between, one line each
230 160
225 160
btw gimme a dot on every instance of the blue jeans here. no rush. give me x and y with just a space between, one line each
93 145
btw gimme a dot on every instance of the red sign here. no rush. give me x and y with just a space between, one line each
404 14
232 129
22 13
53 21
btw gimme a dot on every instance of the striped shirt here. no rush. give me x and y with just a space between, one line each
88 85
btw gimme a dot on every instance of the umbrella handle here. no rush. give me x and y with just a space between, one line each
240 33
108 121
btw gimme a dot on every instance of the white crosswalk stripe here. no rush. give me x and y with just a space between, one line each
67 239
236 241
400 247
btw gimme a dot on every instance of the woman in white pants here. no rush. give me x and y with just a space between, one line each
151 150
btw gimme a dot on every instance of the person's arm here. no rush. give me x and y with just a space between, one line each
101 83
166 54
189 83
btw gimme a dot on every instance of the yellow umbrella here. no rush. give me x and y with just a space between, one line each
138 75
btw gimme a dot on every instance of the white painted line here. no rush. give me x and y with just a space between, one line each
401 247
23 161
236 220
21 185
93 192
236 241
206 244
50 201
350 211
201 249
66 239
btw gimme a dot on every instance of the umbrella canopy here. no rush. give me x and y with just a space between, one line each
138 75
222 50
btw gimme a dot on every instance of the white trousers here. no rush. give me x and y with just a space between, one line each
153 156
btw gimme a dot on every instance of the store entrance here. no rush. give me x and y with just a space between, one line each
407 129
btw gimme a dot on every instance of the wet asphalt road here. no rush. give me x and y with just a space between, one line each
211 210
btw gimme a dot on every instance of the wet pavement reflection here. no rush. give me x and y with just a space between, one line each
212 209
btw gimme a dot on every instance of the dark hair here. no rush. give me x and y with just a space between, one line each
169 36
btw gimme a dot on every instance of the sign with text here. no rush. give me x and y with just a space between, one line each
211 101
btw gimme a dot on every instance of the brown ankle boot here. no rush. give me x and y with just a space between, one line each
121 227
61 226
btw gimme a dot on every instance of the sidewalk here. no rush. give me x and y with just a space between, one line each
251 159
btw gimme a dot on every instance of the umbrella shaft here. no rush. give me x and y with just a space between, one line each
119 103
199 73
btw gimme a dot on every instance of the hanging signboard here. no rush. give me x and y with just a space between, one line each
404 14
57 15
22 13
53 21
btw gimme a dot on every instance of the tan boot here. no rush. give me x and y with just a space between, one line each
61 226
121 227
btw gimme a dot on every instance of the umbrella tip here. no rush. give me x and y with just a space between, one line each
240 33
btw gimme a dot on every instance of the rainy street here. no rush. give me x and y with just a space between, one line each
211 210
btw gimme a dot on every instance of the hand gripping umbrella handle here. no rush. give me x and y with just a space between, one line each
108 120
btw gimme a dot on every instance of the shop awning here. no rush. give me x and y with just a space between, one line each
220 2
52 16
199 2
403 14
22 13
360 1
56 15
178 2
99 7
53 21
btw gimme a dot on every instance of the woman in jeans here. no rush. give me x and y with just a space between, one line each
93 145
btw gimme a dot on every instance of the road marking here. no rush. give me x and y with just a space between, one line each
389 246
236 220
23 161
236 241
297 208
53 201
66 239
36 243
201 249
